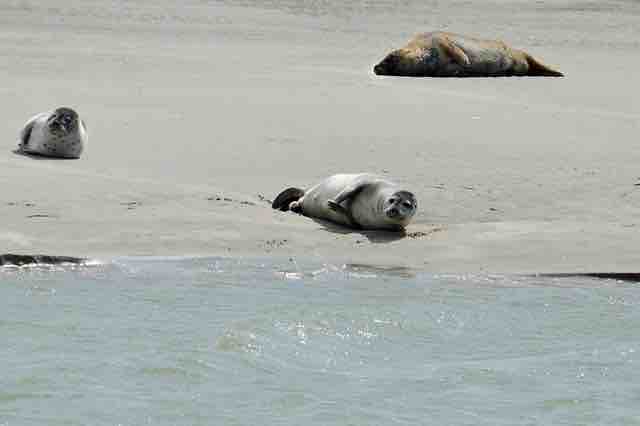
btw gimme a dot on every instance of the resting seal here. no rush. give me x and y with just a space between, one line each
60 133
442 54
362 201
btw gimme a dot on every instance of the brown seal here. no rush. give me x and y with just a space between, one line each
442 54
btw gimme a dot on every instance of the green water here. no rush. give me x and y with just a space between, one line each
224 341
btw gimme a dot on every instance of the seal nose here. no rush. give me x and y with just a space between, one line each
393 212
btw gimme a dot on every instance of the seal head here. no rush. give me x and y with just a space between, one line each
388 64
63 121
402 62
400 207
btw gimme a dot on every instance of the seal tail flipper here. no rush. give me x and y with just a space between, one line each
286 197
537 68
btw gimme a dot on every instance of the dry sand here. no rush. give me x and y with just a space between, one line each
197 112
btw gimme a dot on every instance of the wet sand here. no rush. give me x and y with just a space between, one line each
199 114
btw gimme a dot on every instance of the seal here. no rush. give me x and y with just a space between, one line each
361 201
443 54
60 134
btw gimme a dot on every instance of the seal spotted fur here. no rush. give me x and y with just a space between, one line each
361 201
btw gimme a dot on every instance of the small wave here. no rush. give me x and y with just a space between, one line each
238 341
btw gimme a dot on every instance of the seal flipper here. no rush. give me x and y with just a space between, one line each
336 207
25 135
345 212
346 194
286 197
454 52
537 68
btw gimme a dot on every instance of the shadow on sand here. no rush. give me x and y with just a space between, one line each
376 237
39 156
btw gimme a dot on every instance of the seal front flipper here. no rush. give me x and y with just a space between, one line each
345 212
286 197
348 193
454 52
25 135
336 207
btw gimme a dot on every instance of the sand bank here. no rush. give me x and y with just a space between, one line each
200 113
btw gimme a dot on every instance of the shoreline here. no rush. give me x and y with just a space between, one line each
288 267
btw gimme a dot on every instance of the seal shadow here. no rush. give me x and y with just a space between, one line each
376 237
18 151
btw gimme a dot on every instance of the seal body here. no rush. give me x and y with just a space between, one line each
60 133
443 54
362 201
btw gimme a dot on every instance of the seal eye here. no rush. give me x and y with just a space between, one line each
392 200
407 204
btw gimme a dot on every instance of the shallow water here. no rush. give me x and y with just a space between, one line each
226 341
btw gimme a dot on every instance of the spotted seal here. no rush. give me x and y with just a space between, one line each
361 201
60 133
443 54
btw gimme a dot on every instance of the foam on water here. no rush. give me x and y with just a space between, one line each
283 341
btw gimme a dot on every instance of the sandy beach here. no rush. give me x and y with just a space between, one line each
199 114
